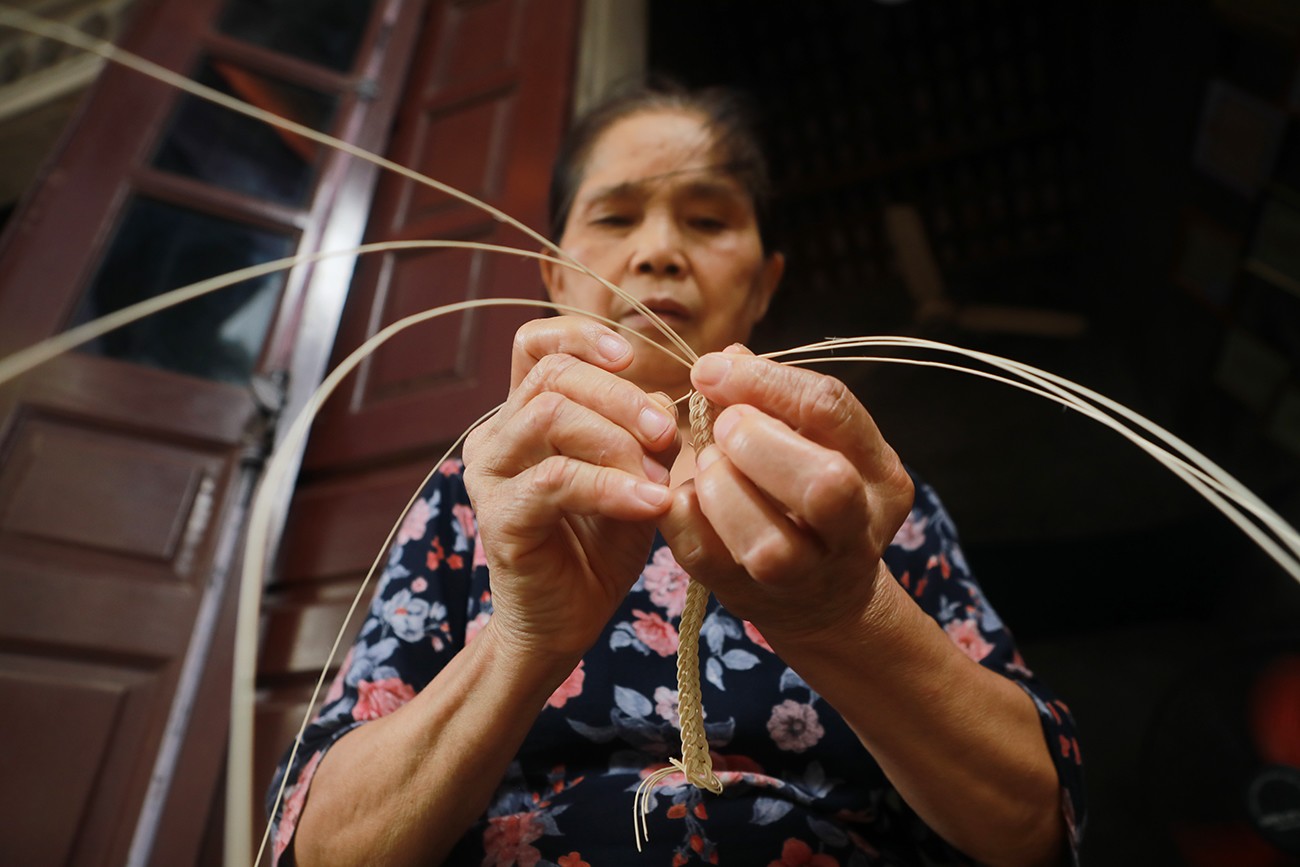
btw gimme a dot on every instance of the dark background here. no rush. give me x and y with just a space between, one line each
1057 156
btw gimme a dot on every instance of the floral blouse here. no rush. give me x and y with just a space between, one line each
800 788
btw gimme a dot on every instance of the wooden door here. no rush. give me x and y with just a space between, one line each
483 110
126 466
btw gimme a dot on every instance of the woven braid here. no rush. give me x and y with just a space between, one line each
703 414
690 707
696 763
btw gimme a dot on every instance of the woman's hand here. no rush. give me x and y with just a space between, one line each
791 509
786 522
567 481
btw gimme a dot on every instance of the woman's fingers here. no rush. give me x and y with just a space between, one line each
817 486
695 544
816 406
600 391
559 485
800 477
573 437
553 424
756 531
577 336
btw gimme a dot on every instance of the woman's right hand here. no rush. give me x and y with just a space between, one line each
567 481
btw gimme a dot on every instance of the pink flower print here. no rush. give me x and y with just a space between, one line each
655 633
465 517
419 585
666 582
757 637
475 626
911 535
966 635
336 687
450 467
294 798
794 727
480 556
507 838
797 853
666 705
380 698
415 522
571 688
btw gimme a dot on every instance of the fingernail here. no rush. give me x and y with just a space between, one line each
612 348
653 423
655 471
738 349
711 369
655 495
707 457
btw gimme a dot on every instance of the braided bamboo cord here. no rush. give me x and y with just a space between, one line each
702 414
695 763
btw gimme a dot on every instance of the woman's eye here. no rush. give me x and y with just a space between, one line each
613 220
708 224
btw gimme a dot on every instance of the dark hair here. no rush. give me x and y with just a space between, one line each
727 114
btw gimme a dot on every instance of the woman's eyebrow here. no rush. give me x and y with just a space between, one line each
719 188
623 190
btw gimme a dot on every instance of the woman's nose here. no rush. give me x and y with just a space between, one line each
659 250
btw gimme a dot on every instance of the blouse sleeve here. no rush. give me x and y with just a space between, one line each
414 626
927 561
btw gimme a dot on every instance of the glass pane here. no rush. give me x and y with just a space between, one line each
229 150
321 31
160 247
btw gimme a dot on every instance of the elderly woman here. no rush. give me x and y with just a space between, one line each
515 678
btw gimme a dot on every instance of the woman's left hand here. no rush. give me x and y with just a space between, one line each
785 522
793 506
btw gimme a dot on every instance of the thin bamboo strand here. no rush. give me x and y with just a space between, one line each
690 710
1050 380
1057 384
1066 399
60 32
347 619
70 36
237 839
23 360
1222 496
257 556
688 707
111 53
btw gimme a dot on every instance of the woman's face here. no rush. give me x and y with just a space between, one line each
655 215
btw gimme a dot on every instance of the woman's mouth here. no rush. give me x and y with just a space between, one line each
671 312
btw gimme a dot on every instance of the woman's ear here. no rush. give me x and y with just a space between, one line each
768 279
552 277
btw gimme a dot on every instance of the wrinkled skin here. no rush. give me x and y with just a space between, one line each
567 480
